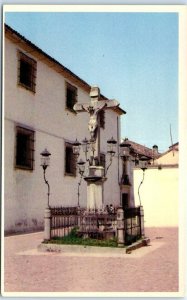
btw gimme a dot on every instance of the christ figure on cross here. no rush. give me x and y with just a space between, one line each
93 121
93 108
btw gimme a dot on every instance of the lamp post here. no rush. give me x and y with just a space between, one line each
90 146
125 148
81 166
76 148
45 160
111 150
143 163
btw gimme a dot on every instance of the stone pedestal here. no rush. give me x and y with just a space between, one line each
95 181
47 224
120 227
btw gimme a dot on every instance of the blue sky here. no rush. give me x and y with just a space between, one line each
132 57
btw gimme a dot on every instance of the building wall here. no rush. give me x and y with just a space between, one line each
159 196
171 157
25 193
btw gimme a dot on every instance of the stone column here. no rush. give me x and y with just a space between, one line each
47 224
95 182
120 227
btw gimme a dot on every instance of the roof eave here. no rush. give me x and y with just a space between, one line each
17 37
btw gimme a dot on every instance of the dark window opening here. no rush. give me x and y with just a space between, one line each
125 203
70 160
24 148
27 72
71 96
102 161
125 180
102 119
125 177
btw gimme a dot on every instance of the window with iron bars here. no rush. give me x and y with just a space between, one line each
70 160
103 161
71 96
27 72
102 119
24 148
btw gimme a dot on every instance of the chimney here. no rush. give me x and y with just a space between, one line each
155 151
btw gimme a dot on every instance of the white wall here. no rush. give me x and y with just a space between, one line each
159 196
45 112
171 157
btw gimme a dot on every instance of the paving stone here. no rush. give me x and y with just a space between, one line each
148 269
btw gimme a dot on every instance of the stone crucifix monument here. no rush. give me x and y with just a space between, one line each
95 178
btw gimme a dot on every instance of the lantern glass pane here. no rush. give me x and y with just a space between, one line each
76 150
111 148
125 151
143 164
45 160
82 168
85 147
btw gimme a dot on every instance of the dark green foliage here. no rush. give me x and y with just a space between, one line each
74 239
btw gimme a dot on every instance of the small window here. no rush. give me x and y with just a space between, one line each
27 72
102 119
71 96
24 148
70 160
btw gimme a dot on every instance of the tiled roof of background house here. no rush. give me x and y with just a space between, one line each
142 150
174 146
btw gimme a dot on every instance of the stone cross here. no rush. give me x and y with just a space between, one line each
93 108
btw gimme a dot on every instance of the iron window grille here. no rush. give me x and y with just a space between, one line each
102 119
24 148
71 96
125 180
70 160
102 160
27 72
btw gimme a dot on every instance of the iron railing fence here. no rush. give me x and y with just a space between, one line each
132 225
98 225
64 219
90 224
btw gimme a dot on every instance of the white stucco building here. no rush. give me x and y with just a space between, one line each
160 190
39 94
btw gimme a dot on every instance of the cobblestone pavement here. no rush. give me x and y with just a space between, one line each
149 269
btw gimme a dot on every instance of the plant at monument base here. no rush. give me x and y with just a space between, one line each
73 238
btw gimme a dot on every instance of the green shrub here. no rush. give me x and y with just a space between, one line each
74 239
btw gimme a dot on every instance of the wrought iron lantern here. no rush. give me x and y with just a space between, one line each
125 148
81 165
45 158
76 148
111 145
85 146
143 162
